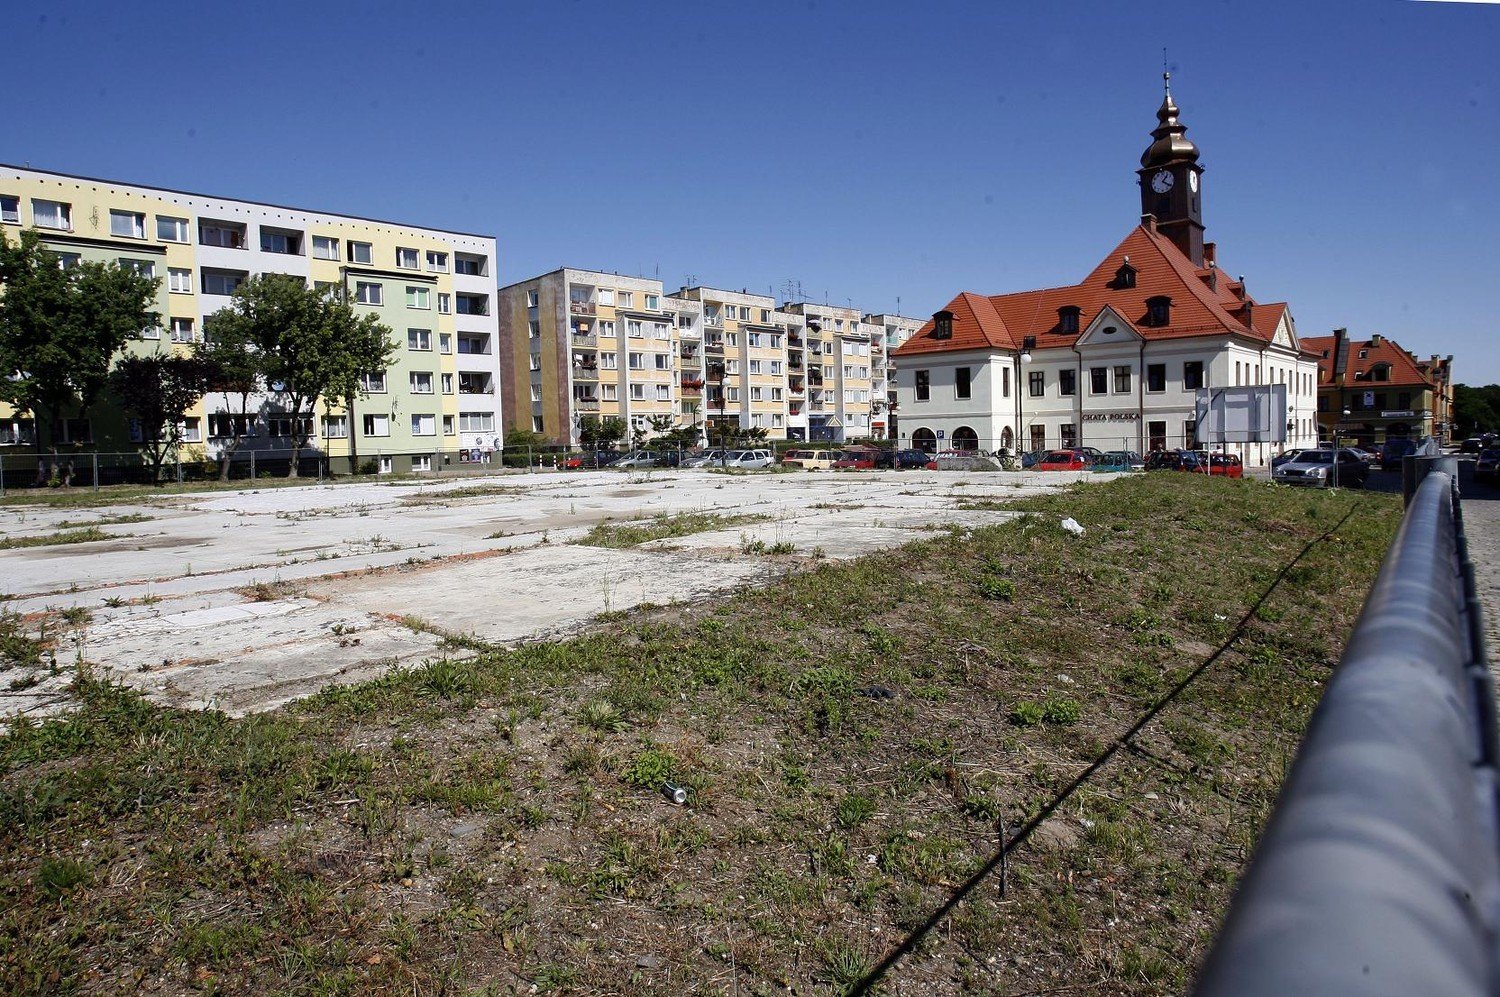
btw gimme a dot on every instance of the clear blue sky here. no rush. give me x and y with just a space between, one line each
868 149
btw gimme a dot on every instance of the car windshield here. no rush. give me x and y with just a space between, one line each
1314 457
1058 457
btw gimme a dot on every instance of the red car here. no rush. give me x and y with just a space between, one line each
855 459
1062 460
1226 464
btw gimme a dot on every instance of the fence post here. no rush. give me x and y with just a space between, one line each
252 465
530 461
179 469
2 475
95 462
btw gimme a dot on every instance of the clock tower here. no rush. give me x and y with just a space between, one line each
1171 187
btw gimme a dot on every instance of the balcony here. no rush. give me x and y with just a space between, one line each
582 308
586 403
585 340
692 384
472 383
815 378
585 371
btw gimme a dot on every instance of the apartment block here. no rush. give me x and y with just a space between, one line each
892 332
433 288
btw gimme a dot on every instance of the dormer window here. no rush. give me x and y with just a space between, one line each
1125 276
1158 310
1364 354
942 325
1381 372
1067 318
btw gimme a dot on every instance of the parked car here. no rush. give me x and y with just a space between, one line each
1473 444
1484 467
1392 451
749 459
1033 458
1370 457
592 458
1115 461
1226 465
638 458
1316 469
708 458
855 460
1176 460
1285 456
1063 460
811 460
902 459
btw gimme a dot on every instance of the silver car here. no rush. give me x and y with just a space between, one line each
745 459
1316 469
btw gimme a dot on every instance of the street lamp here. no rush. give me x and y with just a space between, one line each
1336 450
716 371
1028 344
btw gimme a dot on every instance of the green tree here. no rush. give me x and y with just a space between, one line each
597 433
158 390
309 344
232 368
1476 410
60 330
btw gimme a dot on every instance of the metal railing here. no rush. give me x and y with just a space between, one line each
1379 872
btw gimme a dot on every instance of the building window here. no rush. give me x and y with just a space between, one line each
607 296
285 425
10 209
1067 318
280 241
962 382
373 383
942 325
335 427
52 214
360 252
448 426
384 466
406 258
1067 382
368 293
222 281
1069 435
473 304
423 424
469 264
474 382
1004 380
170 229
1122 379
127 224
923 384
418 297
224 235
225 425
421 382
145 268
472 343
445 343
419 339
447 384
437 262
1098 380
1158 310
1156 377
637 361
1037 383
476 422
325 247
179 281
377 425
182 330
192 430
423 463
1192 375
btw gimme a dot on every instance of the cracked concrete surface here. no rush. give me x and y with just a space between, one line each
245 600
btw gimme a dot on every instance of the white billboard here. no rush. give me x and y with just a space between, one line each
1250 414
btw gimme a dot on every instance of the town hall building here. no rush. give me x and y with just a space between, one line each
1114 361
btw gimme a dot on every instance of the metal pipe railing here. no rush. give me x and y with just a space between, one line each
1379 872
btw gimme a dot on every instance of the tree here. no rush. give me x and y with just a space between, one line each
60 329
1476 409
232 369
309 345
596 433
158 390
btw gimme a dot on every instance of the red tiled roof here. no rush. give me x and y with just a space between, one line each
1198 309
1404 367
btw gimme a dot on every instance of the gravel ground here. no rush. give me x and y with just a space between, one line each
1482 524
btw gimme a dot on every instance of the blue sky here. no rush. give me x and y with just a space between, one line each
870 150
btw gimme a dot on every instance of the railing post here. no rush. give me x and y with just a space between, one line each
95 462
252 465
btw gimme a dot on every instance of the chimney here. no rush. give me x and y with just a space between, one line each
1210 254
1375 339
1148 222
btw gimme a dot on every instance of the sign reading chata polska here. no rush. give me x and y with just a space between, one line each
1247 414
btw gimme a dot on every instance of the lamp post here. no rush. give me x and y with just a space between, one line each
1336 450
716 370
1028 344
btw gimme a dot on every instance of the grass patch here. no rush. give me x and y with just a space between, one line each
846 736
681 524
88 534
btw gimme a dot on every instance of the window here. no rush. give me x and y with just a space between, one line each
421 382
1004 381
1037 383
757 394
325 247
10 209
1067 318
406 259
448 426
634 329
52 214
222 281
1158 310
445 302
607 296
1122 378
418 297
192 430
1403 400
335 427
372 383
536 361
367 293
437 262
474 382
637 361
423 463
179 281
1192 375
1098 380
1067 382
1069 435
225 426
608 361
153 332
419 339
423 424
471 343
924 385
324 287
606 329
469 264
225 235
627 299
145 268
1156 377
182 330
473 304
653 302
127 224
445 343
377 425
638 392
609 392
532 298
384 467
66 260
663 361
280 241
663 392
360 252
285 425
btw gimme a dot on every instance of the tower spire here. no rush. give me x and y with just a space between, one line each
1170 177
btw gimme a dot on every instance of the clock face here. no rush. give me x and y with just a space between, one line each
1193 182
1162 182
